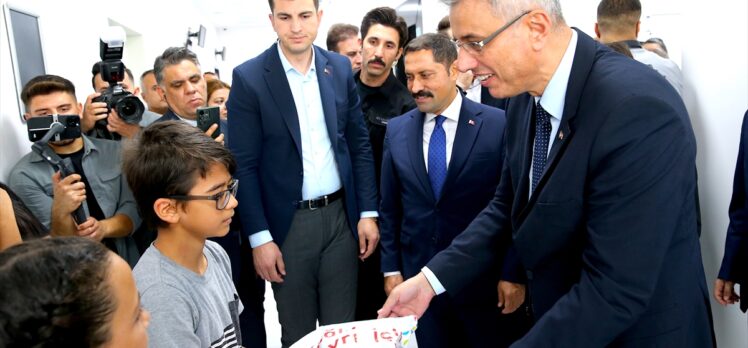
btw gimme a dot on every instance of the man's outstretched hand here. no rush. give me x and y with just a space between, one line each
409 298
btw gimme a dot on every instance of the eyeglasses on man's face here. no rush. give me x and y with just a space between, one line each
476 47
222 198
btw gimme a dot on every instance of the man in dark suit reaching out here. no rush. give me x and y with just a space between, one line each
597 190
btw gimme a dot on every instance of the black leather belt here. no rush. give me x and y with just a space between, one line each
320 202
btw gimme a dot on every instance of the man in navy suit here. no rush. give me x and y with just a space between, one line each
442 163
308 199
734 268
597 190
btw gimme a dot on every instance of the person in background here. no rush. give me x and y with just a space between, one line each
621 48
619 20
343 39
734 269
68 292
656 45
218 94
149 91
17 223
99 122
209 76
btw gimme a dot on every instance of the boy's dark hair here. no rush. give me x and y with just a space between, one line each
43 85
165 159
172 56
443 25
338 33
618 15
442 48
387 17
55 293
272 5
96 69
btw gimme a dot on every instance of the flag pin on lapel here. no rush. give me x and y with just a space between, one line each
471 122
560 135
327 71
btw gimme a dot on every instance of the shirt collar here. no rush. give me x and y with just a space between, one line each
287 67
452 111
88 146
554 96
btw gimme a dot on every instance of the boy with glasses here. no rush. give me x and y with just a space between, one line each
182 183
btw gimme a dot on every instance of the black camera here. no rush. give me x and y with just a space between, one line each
38 126
129 107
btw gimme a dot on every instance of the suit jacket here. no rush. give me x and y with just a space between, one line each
414 225
609 236
735 262
266 141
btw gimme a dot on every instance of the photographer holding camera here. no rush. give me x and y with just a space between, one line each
97 184
97 120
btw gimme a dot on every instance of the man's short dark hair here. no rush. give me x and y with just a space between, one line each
618 15
172 56
443 25
442 48
96 69
165 159
43 85
272 5
144 74
657 41
339 33
387 17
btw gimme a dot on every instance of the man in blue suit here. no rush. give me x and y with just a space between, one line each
597 190
308 199
442 163
734 268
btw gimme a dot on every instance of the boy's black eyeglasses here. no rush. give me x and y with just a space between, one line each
222 198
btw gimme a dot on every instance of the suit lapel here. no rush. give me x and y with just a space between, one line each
525 112
275 77
468 127
327 94
415 150
582 65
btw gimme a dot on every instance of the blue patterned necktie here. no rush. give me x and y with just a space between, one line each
540 150
438 157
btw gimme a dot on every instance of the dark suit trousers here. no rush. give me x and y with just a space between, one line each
321 256
447 324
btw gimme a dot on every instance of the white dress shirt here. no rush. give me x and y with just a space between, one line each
553 101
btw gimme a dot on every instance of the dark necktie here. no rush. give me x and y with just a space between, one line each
438 156
540 150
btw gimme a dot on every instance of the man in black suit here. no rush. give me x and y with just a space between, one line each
597 190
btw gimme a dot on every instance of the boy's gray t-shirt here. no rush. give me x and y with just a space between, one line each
187 309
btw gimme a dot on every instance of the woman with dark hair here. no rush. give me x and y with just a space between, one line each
68 292
16 221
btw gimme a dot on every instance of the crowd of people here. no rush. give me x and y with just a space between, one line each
519 183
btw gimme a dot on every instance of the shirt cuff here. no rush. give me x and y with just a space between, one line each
389 274
435 284
369 214
260 238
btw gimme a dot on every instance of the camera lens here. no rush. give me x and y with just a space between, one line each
130 109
